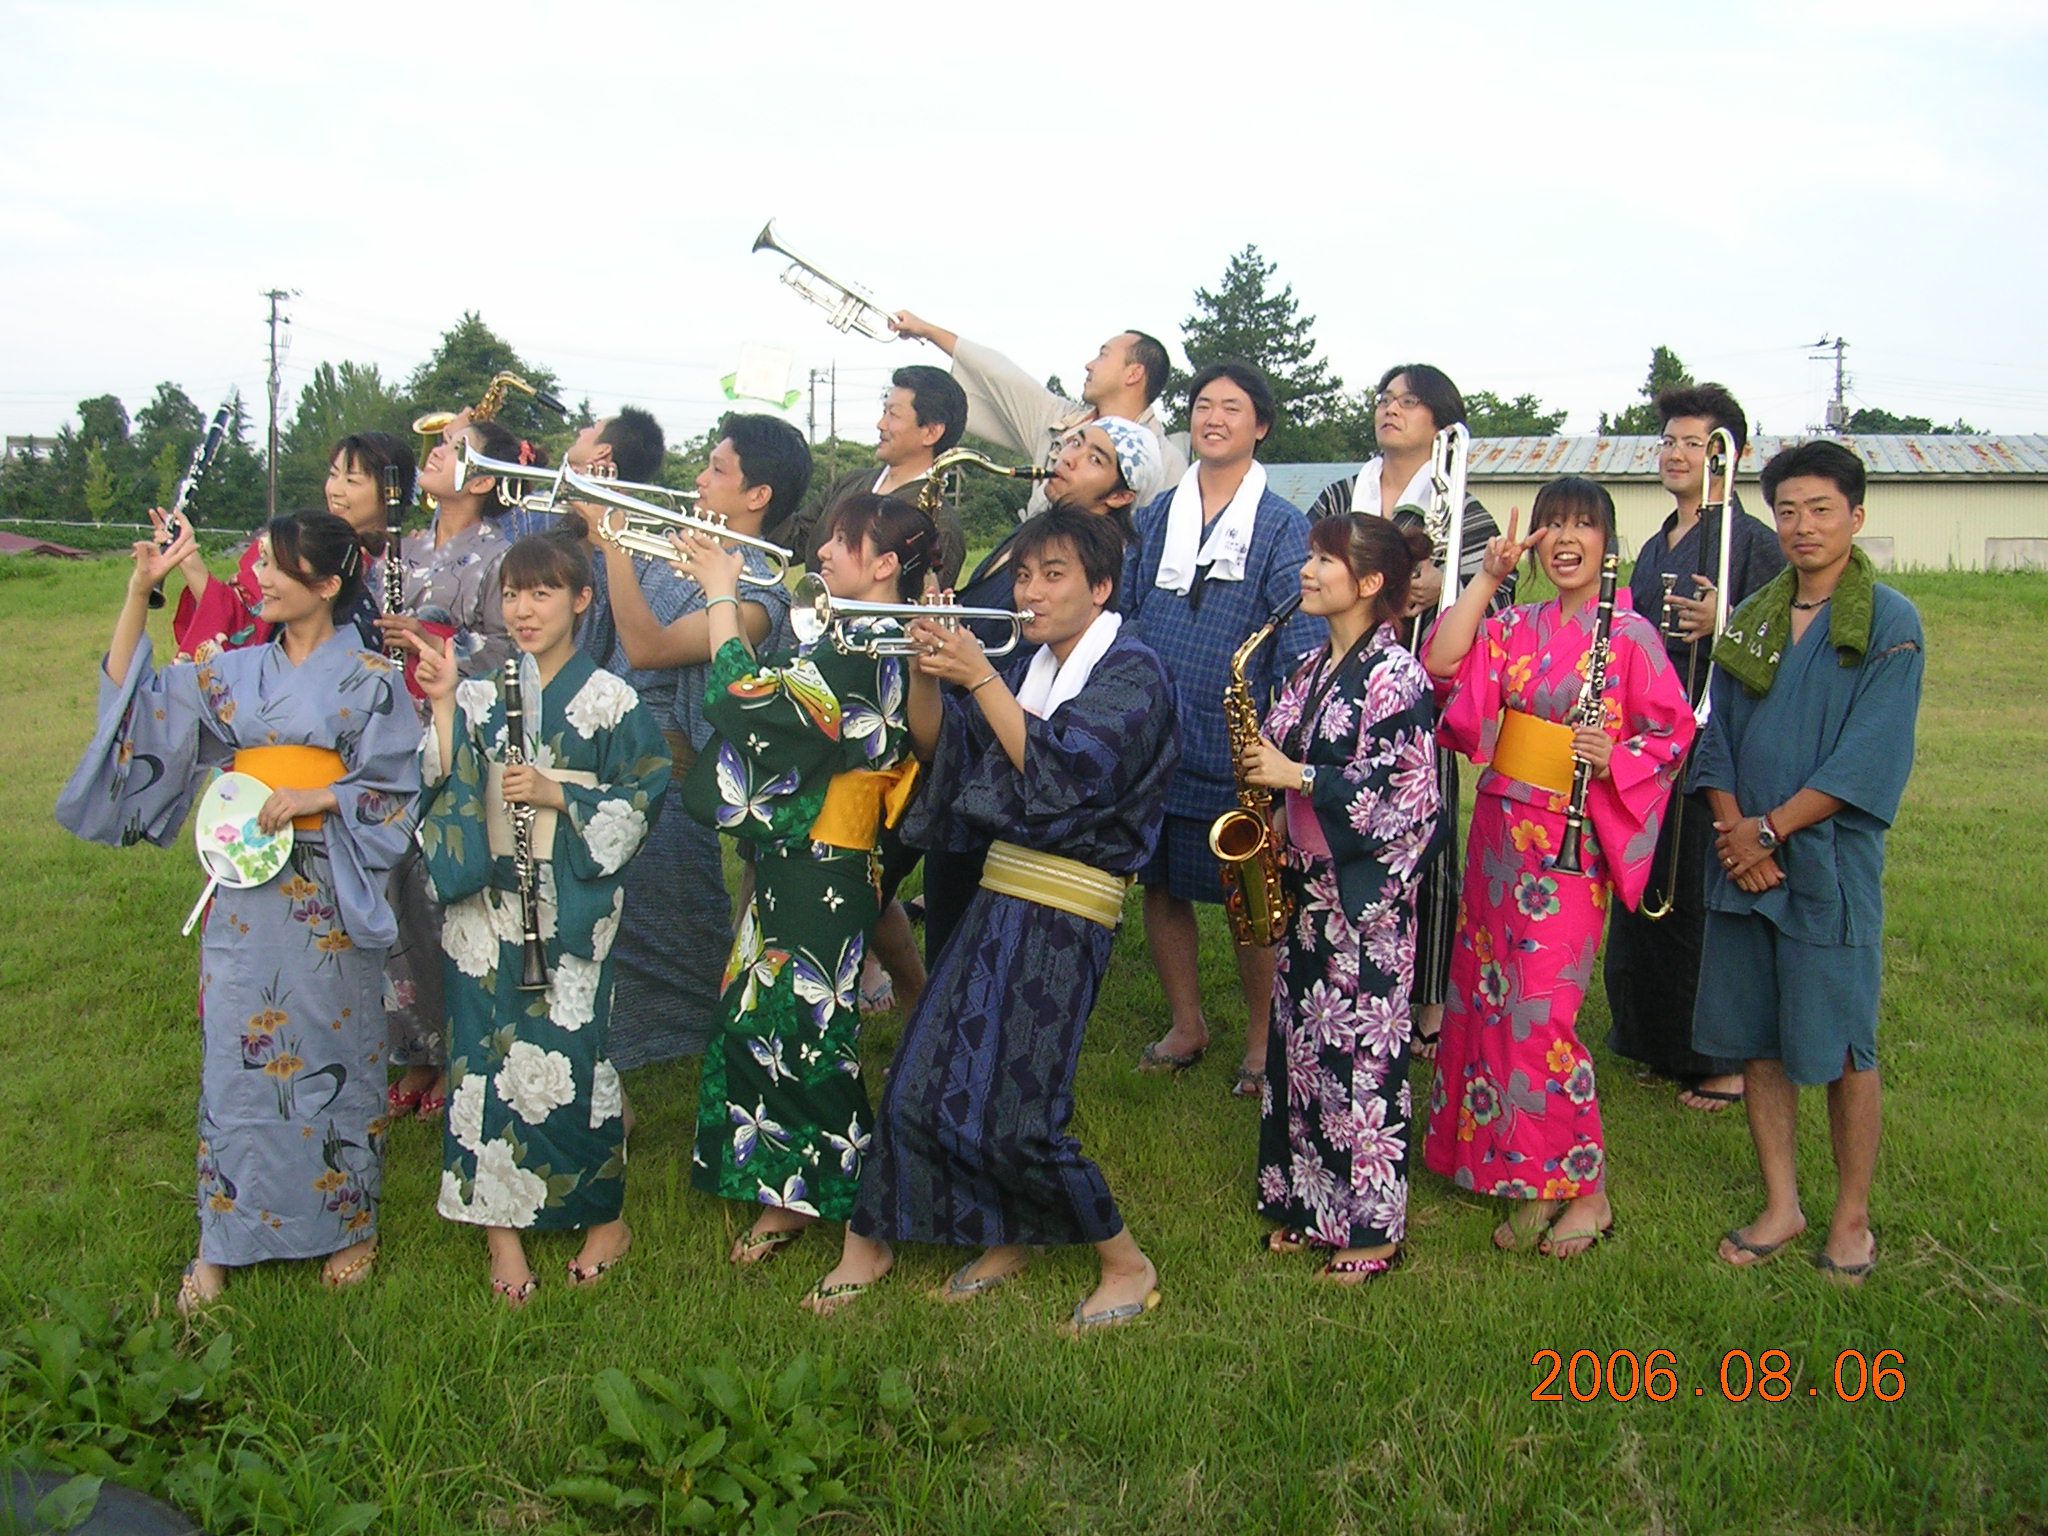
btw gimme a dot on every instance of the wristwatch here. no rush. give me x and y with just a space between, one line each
1767 835
1308 779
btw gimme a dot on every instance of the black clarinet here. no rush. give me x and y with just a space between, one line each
394 568
533 965
202 458
1591 711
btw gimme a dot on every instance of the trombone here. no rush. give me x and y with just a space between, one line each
849 307
1449 450
814 611
646 528
1721 460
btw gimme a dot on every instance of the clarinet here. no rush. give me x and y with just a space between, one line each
203 455
1591 711
394 568
533 969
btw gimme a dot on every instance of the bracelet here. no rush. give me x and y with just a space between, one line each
977 687
723 597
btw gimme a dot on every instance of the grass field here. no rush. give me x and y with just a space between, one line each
1258 1399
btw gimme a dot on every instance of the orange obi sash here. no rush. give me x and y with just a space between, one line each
860 802
293 768
1537 752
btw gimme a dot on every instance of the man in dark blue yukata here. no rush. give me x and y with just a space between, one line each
1804 760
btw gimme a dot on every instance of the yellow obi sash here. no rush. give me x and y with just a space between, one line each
498 815
1537 752
860 802
1066 885
293 768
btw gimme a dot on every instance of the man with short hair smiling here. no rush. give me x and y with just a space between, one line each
1805 759
1013 410
1060 754
677 926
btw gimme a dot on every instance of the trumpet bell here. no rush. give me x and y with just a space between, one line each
814 613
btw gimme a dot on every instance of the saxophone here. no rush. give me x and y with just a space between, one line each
1242 837
1591 711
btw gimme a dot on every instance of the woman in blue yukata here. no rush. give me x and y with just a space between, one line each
291 972
536 1133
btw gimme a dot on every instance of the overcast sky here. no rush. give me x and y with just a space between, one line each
1521 194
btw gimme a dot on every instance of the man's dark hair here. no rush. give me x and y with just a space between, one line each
1433 387
1820 456
636 442
1096 542
773 453
1246 378
371 453
936 396
1712 402
1148 353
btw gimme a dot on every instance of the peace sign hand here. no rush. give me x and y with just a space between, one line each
1504 553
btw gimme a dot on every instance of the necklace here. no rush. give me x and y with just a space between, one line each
1808 607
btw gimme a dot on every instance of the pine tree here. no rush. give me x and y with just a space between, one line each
1640 419
99 484
461 368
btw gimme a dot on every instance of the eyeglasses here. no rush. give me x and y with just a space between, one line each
1690 444
1407 402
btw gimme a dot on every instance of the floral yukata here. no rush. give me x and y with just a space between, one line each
291 1089
1513 1111
536 1135
782 1113
1335 1112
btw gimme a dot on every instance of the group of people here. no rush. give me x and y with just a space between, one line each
539 748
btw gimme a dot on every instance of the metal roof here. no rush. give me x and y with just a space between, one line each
1540 458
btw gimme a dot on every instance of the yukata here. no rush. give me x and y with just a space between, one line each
1335 1111
291 1088
1436 905
1792 974
454 588
677 930
227 615
1195 634
536 1134
782 1111
1652 966
1513 1111
972 1147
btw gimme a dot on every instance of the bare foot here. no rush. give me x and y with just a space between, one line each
862 1262
1762 1238
200 1286
1712 1095
603 1246
1578 1227
1850 1249
1123 1285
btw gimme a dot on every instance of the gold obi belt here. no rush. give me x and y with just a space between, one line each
498 815
1537 752
1066 885
293 768
860 802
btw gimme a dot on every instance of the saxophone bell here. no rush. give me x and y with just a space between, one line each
1254 899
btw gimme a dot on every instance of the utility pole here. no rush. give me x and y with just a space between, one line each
814 408
276 296
1838 410
833 388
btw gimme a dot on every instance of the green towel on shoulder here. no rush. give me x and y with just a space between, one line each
1753 644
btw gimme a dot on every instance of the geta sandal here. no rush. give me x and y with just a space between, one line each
583 1278
516 1296
1361 1271
354 1272
760 1247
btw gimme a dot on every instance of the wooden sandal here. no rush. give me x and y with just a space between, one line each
354 1272
516 1296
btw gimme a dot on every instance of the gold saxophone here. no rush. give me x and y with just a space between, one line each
429 427
1242 837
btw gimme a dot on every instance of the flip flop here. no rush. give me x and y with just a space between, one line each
1522 1235
583 1278
1110 1317
1591 1236
516 1296
1720 1103
1153 1059
760 1247
1361 1271
823 1300
1249 1083
881 1000
354 1272
191 1299
1284 1240
1758 1252
1423 1047
959 1287
1846 1274
402 1104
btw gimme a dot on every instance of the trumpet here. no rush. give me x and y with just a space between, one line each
814 611
849 307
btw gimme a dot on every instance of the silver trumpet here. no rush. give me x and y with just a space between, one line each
848 307
646 528
813 611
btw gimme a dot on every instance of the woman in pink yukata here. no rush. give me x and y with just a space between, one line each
1514 1112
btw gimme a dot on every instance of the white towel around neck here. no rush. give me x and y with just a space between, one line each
1229 540
1050 682
1365 490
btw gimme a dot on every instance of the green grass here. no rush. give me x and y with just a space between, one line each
1257 1399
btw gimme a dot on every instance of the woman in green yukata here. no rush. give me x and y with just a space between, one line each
810 758
536 1129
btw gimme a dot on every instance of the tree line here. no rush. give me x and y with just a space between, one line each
108 467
